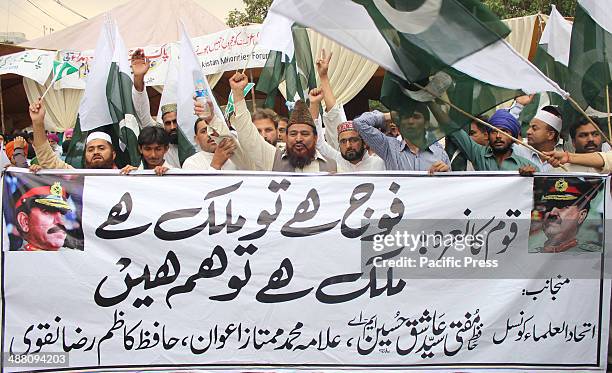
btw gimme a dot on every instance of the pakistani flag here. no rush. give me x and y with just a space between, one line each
107 102
230 108
426 36
62 69
412 40
297 71
590 61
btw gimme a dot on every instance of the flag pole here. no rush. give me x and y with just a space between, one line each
48 88
575 104
476 119
608 107
249 58
2 108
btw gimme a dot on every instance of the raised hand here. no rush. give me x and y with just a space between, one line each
237 82
315 95
20 142
140 64
200 111
323 63
37 113
524 100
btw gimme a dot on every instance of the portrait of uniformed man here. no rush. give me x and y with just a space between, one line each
39 215
566 203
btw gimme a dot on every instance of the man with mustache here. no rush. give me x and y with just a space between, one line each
212 156
585 137
543 134
40 218
300 154
498 155
140 66
589 157
567 203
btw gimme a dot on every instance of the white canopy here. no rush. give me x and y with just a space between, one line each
142 22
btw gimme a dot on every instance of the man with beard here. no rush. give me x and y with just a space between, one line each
153 145
567 203
300 154
352 156
40 218
498 155
543 135
98 153
140 66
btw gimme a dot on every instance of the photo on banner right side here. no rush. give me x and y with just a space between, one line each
567 216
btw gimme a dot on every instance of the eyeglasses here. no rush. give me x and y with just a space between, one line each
352 140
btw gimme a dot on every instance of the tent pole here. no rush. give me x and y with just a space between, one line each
2 108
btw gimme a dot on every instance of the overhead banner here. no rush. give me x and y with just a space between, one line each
318 272
226 50
33 64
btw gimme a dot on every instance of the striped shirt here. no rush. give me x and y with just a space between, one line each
396 154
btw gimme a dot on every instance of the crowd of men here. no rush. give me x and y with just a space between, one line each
310 142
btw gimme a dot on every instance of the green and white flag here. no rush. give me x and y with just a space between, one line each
590 61
229 108
412 39
107 102
62 69
290 61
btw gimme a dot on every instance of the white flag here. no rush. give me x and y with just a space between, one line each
189 66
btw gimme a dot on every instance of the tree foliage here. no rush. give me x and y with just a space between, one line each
254 12
518 8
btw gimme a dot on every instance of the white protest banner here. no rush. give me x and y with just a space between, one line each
318 272
33 64
159 57
222 51
230 49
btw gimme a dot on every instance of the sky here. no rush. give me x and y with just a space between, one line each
32 17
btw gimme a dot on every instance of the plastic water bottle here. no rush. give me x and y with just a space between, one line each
201 94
